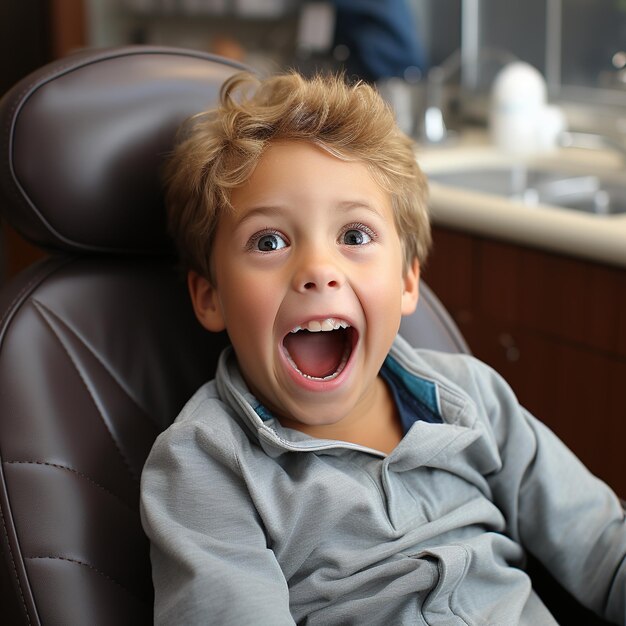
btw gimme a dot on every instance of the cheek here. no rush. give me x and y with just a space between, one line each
386 273
250 313
381 293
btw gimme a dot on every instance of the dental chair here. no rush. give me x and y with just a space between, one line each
99 347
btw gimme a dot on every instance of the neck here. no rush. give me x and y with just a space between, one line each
374 423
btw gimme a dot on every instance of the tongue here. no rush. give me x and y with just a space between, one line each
316 354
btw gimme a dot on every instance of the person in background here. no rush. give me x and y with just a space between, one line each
380 39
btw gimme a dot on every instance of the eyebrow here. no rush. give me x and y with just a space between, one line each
359 204
273 210
260 210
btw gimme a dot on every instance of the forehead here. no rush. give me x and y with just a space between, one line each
303 171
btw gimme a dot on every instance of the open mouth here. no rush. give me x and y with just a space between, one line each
320 349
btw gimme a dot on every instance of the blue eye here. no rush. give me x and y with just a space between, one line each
356 237
270 242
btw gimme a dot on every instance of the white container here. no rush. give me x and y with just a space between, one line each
518 103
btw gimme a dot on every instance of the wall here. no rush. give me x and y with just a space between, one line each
32 33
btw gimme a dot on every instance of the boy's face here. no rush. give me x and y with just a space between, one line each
311 242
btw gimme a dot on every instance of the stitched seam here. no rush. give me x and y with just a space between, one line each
125 461
17 578
83 564
77 473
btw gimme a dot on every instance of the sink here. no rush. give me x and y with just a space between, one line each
537 186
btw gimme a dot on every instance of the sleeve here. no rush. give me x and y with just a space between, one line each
210 559
566 517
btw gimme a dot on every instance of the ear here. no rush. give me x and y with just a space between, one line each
411 284
205 300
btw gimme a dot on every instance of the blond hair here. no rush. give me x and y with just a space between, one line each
219 149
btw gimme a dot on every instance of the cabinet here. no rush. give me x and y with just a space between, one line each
554 327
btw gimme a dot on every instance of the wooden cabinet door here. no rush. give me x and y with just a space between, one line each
574 391
554 328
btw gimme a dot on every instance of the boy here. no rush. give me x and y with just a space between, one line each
331 474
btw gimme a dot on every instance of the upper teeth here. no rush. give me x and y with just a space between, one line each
315 326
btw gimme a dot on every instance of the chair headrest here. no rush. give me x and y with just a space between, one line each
83 142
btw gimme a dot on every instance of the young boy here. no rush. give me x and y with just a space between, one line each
332 474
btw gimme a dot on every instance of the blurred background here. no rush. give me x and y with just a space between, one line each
420 52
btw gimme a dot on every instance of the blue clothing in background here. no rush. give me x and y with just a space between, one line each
381 37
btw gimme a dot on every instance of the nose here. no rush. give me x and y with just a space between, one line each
316 273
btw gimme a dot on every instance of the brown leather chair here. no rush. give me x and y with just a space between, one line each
99 347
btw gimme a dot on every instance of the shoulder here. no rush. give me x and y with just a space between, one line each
456 375
469 391
465 372
206 428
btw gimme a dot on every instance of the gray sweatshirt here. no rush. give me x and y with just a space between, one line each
253 523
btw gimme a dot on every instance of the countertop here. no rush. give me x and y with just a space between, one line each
596 237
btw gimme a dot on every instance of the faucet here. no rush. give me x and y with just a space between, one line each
435 129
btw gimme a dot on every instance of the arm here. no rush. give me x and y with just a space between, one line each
210 560
574 524
571 521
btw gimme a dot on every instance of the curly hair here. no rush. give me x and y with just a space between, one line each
218 149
